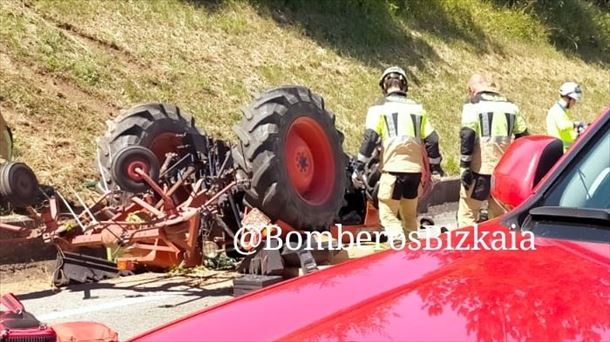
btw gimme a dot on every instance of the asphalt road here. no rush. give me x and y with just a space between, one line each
134 304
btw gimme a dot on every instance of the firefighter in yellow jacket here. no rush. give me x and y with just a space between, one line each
6 141
404 130
489 120
558 123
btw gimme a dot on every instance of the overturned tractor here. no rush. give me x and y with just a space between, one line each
172 195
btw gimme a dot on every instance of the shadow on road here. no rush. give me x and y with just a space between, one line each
184 285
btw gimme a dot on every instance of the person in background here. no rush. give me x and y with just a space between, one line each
404 130
6 141
489 121
558 122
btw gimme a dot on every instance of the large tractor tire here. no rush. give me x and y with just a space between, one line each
154 126
291 152
18 185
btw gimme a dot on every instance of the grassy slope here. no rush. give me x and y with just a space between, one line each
67 67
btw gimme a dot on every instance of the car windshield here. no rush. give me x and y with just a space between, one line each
583 191
587 183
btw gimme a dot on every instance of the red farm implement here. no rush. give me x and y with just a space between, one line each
171 195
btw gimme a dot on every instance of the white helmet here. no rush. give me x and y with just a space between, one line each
571 90
393 70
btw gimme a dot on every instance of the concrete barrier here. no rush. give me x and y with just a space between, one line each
445 191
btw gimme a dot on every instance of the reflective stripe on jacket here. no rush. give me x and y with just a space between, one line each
402 125
492 120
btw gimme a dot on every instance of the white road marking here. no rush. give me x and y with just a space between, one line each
101 307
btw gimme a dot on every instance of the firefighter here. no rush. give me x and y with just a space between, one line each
404 130
6 141
489 120
558 122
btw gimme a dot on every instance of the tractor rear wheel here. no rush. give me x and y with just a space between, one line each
291 152
155 126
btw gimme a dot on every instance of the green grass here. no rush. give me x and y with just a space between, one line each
68 66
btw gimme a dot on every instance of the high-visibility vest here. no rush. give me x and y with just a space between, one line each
559 125
6 144
402 125
495 120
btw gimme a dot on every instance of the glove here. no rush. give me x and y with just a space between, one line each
579 127
467 177
358 179
437 170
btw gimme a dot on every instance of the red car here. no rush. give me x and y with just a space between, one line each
559 291
18 325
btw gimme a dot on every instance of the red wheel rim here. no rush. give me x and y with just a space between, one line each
310 161
133 166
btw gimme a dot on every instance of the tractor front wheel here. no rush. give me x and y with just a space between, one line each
157 127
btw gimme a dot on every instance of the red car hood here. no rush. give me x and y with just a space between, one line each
560 291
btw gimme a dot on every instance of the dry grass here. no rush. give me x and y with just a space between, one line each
69 66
